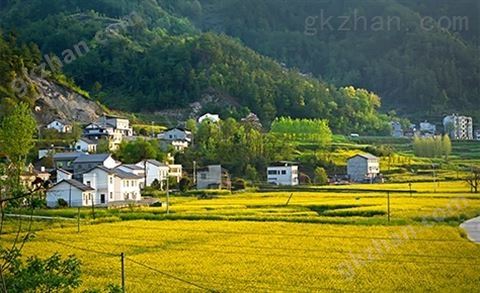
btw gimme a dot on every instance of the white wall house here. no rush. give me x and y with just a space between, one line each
363 167
283 173
113 185
175 171
214 118
87 162
86 145
119 125
154 171
59 126
75 193
176 134
63 175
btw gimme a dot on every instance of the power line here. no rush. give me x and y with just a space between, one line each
171 276
297 249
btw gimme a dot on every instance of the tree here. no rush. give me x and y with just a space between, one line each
447 146
50 275
103 146
474 180
185 184
321 177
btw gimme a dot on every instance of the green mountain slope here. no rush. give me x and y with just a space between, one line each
138 57
419 67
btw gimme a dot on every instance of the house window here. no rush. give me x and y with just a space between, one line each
111 180
111 195
127 183
284 172
272 172
89 183
203 176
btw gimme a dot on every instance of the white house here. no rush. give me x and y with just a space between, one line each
63 175
397 130
214 118
86 145
283 173
175 171
87 162
477 134
213 176
154 171
112 185
60 126
427 129
119 125
75 193
176 134
363 167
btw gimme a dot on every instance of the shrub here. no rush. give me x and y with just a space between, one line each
62 203
239 184
185 184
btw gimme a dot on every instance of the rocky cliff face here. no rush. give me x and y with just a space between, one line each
57 102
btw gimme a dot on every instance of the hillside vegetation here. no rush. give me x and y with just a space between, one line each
150 60
427 56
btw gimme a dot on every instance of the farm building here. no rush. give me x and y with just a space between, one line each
363 167
283 173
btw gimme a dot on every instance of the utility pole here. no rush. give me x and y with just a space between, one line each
434 179
78 220
70 196
194 172
388 205
410 186
93 206
289 198
168 196
122 256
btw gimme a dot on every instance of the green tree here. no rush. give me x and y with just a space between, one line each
321 177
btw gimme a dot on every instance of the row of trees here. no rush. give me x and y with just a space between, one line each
432 147
310 129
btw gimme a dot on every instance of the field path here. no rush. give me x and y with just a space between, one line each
473 229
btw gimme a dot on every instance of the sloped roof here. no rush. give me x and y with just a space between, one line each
153 162
131 167
88 140
77 184
95 158
67 156
365 156
125 175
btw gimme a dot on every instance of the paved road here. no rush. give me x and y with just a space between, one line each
38 217
472 227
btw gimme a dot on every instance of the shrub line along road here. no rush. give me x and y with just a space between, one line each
472 227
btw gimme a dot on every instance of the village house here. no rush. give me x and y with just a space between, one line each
154 171
87 162
86 145
213 177
73 192
427 129
176 134
65 160
397 130
63 175
477 134
214 118
175 171
363 168
283 173
112 185
458 127
119 125
60 126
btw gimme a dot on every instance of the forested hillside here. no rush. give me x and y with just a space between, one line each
142 58
426 64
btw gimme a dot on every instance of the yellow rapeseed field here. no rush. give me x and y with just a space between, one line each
179 256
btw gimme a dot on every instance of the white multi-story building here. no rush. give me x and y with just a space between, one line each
363 167
458 127
283 173
86 145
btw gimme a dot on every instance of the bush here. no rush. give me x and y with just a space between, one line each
239 184
62 203
321 177
185 184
